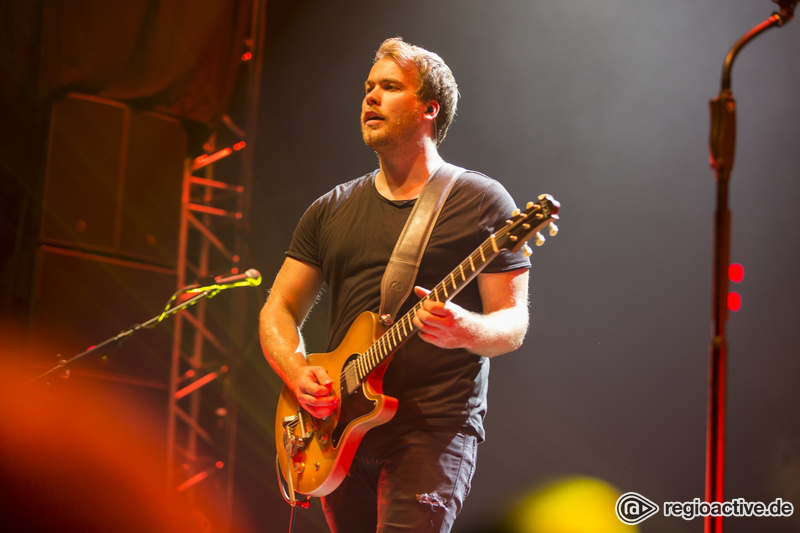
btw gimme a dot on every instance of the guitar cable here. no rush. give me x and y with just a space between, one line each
292 510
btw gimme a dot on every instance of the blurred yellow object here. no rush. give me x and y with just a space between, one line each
569 505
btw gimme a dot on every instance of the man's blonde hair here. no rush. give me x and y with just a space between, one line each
436 79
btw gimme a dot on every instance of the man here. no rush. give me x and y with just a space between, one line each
412 473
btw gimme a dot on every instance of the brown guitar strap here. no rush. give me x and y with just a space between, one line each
401 271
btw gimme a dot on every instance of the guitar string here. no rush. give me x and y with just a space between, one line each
393 337
388 342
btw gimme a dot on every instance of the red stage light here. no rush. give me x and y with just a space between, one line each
734 301
735 272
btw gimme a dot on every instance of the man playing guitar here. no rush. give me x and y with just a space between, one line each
413 472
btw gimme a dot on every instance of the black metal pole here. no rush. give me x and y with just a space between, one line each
63 365
722 144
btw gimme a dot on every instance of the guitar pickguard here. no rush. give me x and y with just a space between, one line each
354 405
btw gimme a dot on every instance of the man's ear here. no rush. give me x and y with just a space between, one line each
432 109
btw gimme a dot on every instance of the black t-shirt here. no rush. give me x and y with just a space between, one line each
350 233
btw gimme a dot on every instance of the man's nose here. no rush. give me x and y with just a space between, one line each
372 98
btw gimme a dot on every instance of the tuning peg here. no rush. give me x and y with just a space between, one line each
526 250
529 205
553 229
539 239
515 212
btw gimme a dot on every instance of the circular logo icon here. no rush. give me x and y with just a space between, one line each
633 508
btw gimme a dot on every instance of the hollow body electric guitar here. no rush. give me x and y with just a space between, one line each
315 454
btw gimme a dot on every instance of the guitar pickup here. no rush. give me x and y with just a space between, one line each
350 377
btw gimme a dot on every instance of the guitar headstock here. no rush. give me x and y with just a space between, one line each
525 224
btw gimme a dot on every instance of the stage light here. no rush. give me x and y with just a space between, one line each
736 275
735 272
734 301
568 505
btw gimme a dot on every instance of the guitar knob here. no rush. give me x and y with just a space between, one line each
539 240
526 250
529 205
553 229
515 212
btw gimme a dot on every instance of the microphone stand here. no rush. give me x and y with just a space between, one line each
202 292
721 151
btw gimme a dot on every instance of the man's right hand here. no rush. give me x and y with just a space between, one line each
313 389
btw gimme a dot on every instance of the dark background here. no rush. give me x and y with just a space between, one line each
604 106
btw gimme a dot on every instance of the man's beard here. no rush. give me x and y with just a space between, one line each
396 133
377 139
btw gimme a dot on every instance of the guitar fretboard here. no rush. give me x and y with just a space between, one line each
511 236
359 368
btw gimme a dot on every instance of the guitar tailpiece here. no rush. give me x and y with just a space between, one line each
288 492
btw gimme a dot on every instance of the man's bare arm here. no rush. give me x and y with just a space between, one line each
292 296
499 329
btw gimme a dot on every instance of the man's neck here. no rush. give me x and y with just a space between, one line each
402 176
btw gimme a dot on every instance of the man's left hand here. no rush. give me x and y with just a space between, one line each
443 324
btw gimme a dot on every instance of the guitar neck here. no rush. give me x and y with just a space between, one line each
402 330
512 236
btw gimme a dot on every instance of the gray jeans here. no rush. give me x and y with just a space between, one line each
411 481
